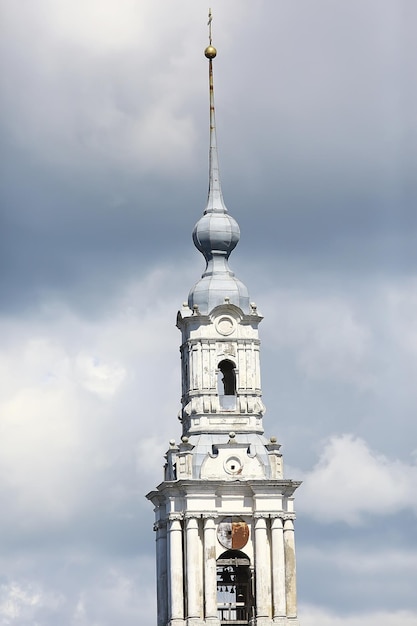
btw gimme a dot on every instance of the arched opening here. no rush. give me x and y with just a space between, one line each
228 378
226 384
235 602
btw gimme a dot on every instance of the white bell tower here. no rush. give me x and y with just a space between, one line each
224 512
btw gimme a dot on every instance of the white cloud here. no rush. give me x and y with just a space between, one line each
149 457
97 376
19 603
115 597
401 314
316 616
328 338
98 26
77 396
85 426
105 82
354 560
111 594
41 443
350 481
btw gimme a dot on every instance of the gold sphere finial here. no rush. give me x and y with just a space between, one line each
210 52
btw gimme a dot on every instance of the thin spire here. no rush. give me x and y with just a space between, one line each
216 233
215 199
210 19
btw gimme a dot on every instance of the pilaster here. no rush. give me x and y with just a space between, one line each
160 527
176 575
262 573
278 568
210 570
290 567
192 546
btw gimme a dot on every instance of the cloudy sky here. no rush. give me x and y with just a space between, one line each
104 132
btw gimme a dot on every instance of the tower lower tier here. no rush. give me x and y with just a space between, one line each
225 553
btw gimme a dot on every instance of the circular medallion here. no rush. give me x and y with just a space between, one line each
233 465
233 533
225 325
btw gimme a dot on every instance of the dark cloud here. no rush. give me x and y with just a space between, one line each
328 561
104 132
317 136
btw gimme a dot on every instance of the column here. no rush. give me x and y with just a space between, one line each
192 543
176 585
290 572
161 571
278 567
262 577
210 569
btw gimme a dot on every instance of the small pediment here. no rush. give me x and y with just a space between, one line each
232 461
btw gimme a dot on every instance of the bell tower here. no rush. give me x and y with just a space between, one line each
224 513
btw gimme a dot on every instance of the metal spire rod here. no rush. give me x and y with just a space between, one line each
210 18
215 199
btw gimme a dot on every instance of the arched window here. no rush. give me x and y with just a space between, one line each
228 378
235 602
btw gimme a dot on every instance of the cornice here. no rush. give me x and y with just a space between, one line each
192 515
259 487
210 515
175 517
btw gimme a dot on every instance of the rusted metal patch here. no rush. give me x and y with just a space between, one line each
240 535
233 533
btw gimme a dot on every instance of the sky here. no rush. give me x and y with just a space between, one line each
104 135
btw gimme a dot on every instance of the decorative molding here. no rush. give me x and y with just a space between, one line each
282 515
192 515
175 517
210 515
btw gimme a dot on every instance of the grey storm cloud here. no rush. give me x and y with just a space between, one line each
104 132
104 144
